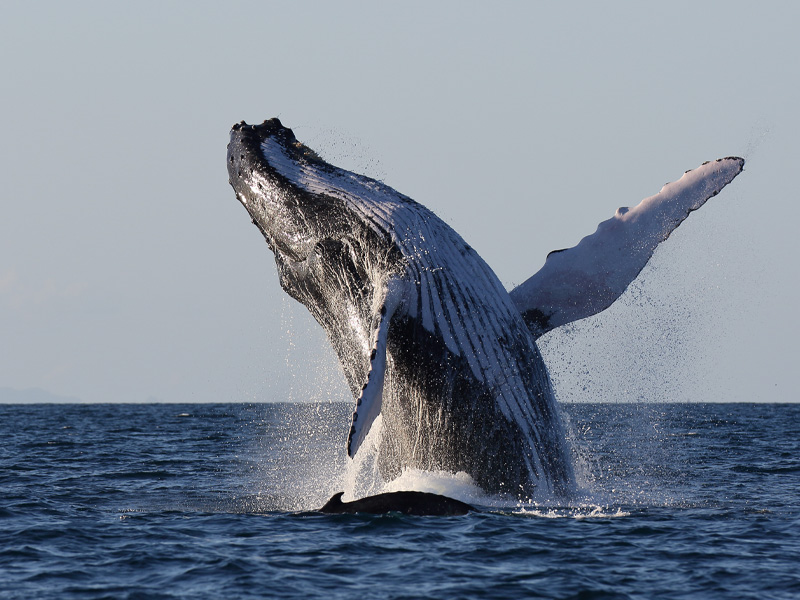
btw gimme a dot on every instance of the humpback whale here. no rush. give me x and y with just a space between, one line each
408 503
426 335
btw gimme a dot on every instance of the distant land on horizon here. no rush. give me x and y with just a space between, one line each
34 396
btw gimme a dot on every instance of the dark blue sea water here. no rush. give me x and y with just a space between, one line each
210 501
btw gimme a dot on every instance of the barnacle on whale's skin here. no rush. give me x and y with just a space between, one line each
426 334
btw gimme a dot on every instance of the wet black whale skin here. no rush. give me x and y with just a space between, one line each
408 503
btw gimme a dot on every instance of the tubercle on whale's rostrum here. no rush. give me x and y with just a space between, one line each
278 207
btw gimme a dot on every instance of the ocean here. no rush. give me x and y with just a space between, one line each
217 501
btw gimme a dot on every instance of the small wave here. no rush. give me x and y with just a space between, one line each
160 474
573 512
769 470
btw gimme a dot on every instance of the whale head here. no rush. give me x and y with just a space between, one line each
292 220
333 254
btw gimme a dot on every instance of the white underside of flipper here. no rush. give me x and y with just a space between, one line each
581 281
368 404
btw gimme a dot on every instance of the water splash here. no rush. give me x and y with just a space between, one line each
628 457
361 476
589 511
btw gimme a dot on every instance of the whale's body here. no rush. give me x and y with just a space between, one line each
427 336
408 503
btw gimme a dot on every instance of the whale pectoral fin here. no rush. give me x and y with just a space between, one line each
368 404
581 281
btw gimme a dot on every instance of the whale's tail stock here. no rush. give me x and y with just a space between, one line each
586 279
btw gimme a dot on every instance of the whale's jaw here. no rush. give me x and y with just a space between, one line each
426 334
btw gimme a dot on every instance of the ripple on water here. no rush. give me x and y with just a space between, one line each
188 506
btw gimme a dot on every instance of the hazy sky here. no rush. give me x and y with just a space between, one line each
128 270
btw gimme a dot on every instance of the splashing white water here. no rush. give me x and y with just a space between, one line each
362 478
455 485
574 512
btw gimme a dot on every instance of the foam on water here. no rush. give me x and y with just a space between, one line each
363 478
455 485
576 512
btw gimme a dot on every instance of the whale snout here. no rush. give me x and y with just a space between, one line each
249 173
249 176
277 206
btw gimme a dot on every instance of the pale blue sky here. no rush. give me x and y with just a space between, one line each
128 271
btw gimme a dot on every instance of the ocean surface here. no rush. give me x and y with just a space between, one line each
216 501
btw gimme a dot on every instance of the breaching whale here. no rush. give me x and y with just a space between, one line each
426 334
